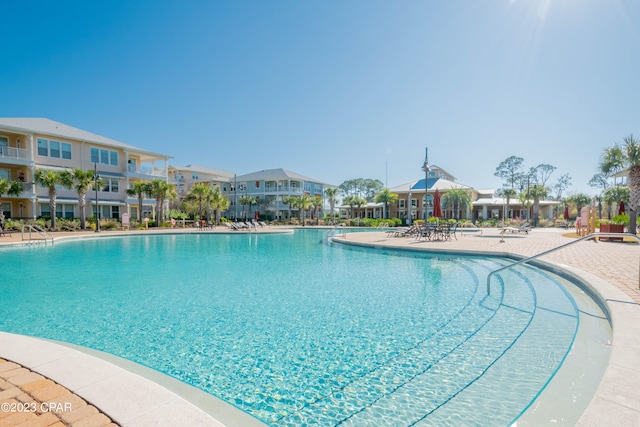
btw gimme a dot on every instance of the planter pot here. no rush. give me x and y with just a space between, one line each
612 228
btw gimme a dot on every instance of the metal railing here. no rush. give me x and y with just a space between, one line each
588 237
32 227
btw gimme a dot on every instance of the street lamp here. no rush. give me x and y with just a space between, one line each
96 178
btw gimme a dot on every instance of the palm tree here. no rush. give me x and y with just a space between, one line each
626 157
386 197
82 182
161 190
50 179
457 198
359 201
351 201
246 200
537 192
331 193
290 201
11 188
579 200
508 193
218 202
139 189
303 203
318 202
252 201
200 192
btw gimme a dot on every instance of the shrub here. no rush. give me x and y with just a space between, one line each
621 219
543 222
109 224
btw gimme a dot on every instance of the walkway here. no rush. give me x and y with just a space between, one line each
28 399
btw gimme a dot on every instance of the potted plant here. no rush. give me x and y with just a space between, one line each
616 225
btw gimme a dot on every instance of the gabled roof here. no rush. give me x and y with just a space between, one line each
435 168
49 127
275 174
440 184
204 169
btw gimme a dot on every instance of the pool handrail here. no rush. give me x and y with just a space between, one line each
590 236
33 227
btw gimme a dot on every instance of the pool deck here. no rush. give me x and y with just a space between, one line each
76 387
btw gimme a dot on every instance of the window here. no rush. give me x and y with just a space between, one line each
64 211
401 203
242 187
66 151
4 174
104 157
43 147
110 185
54 149
6 208
194 176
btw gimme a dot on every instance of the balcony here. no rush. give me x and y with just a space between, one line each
13 153
146 172
28 190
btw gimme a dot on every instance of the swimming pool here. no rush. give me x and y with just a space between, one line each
294 331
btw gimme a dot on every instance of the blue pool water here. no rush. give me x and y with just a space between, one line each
295 332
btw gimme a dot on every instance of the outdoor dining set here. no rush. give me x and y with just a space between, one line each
439 231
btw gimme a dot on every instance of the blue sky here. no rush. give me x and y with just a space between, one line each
335 90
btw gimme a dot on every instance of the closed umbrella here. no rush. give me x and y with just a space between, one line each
566 213
437 208
621 209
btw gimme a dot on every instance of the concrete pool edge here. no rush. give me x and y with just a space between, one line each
617 397
129 393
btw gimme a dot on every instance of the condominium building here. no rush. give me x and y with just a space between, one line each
29 144
271 189
184 177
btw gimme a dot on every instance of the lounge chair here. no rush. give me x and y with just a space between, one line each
524 228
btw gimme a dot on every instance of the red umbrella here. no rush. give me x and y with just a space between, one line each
621 208
566 212
256 215
437 208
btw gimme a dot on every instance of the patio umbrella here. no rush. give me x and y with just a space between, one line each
566 212
621 208
437 208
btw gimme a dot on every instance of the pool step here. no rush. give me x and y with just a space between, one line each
354 400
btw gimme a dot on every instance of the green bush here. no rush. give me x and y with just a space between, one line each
109 224
621 219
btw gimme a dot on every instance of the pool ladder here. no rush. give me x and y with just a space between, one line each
36 228
588 237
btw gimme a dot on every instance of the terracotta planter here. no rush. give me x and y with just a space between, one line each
611 228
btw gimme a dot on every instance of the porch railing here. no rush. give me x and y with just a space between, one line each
14 153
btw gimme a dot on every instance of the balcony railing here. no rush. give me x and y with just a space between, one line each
14 153
148 170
